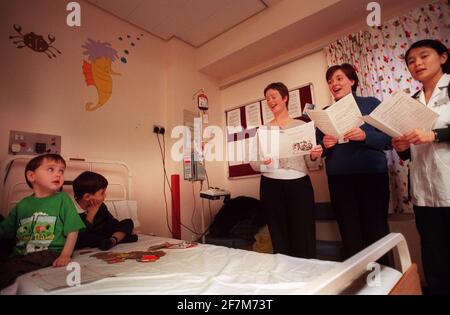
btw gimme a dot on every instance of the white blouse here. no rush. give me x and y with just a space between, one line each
284 168
430 163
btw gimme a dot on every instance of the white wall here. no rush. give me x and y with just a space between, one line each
310 69
182 84
43 95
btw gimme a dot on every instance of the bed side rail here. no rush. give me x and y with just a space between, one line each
334 281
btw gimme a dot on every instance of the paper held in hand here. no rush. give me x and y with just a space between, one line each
296 141
400 114
339 118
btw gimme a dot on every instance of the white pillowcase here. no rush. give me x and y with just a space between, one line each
124 209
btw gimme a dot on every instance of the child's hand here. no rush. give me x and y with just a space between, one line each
92 209
61 261
94 205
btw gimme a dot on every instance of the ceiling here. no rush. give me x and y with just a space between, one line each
234 39
193 21
306 35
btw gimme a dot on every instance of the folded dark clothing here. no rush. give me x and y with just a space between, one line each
131 238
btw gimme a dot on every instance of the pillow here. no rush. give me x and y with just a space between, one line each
124 209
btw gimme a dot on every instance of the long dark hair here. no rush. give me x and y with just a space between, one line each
439 47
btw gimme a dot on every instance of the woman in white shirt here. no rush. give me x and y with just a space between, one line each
429 152
286 191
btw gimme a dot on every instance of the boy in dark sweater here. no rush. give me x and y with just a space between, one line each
102 229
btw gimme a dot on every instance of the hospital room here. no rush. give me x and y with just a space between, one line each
224 148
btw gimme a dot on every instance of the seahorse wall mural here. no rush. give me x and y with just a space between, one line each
98 70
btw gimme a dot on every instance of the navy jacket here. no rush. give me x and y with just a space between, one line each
359 157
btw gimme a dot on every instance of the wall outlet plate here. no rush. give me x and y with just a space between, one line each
30 143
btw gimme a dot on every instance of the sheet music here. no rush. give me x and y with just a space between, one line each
381 126
399 114
339 118
297 140
267 113
294 106
253 115
234 118
323 121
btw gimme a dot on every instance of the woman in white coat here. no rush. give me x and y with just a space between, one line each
429 152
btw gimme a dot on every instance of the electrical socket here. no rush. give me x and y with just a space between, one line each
158 129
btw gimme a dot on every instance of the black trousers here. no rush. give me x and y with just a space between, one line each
289 211
361 204
88 238
433 225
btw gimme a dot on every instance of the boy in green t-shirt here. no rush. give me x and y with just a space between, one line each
44 224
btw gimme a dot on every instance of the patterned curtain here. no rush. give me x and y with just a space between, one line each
378 57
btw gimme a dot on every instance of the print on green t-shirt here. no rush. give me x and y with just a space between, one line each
36 232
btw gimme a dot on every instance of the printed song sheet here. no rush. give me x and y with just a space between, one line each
298 140
234 118
286 143
339 118
267 113
295 107
253 115
400 114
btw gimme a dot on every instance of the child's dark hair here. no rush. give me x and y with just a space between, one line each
439 47
281 88
88 183
37 161
349 72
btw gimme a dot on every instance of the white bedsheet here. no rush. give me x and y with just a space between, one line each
204 269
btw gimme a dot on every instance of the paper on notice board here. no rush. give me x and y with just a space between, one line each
267 113
339 118
294 107
234 118
253 115
298 140
399 114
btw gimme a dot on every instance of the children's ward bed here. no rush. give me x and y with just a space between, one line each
202 269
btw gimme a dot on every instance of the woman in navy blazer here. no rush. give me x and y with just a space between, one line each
357 170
